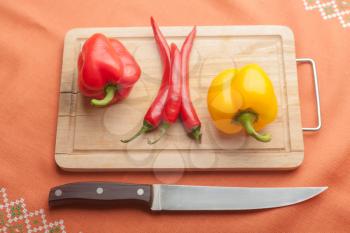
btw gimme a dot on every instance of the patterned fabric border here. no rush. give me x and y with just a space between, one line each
15 218
331 9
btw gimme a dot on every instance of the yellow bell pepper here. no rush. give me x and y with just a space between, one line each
242 99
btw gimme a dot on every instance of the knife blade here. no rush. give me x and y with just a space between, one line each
182 197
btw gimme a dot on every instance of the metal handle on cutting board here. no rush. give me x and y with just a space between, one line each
317 93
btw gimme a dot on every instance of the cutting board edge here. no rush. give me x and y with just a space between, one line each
65 160
281 30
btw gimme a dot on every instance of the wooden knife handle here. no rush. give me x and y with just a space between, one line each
93 192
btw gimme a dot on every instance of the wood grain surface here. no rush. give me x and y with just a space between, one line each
88 138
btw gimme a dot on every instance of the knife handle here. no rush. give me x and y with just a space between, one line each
105 192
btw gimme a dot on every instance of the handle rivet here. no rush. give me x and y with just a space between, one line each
99 190
58 193
140 192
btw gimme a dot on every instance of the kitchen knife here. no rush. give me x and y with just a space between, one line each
182 197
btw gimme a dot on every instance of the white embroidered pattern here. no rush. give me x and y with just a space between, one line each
14 217
331 9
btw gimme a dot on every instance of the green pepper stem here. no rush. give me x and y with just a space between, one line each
246 119
196 134
163 129
145 128
110 91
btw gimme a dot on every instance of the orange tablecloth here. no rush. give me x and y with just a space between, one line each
31 43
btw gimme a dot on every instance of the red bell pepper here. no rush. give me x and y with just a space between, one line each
107 71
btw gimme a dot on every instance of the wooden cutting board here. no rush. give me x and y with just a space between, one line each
88 138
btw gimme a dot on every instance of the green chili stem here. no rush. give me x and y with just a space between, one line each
246 119
196 134
110 91
163 129
145 128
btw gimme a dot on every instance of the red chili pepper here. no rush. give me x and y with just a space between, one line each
153 116
107 71
173 103
189 116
